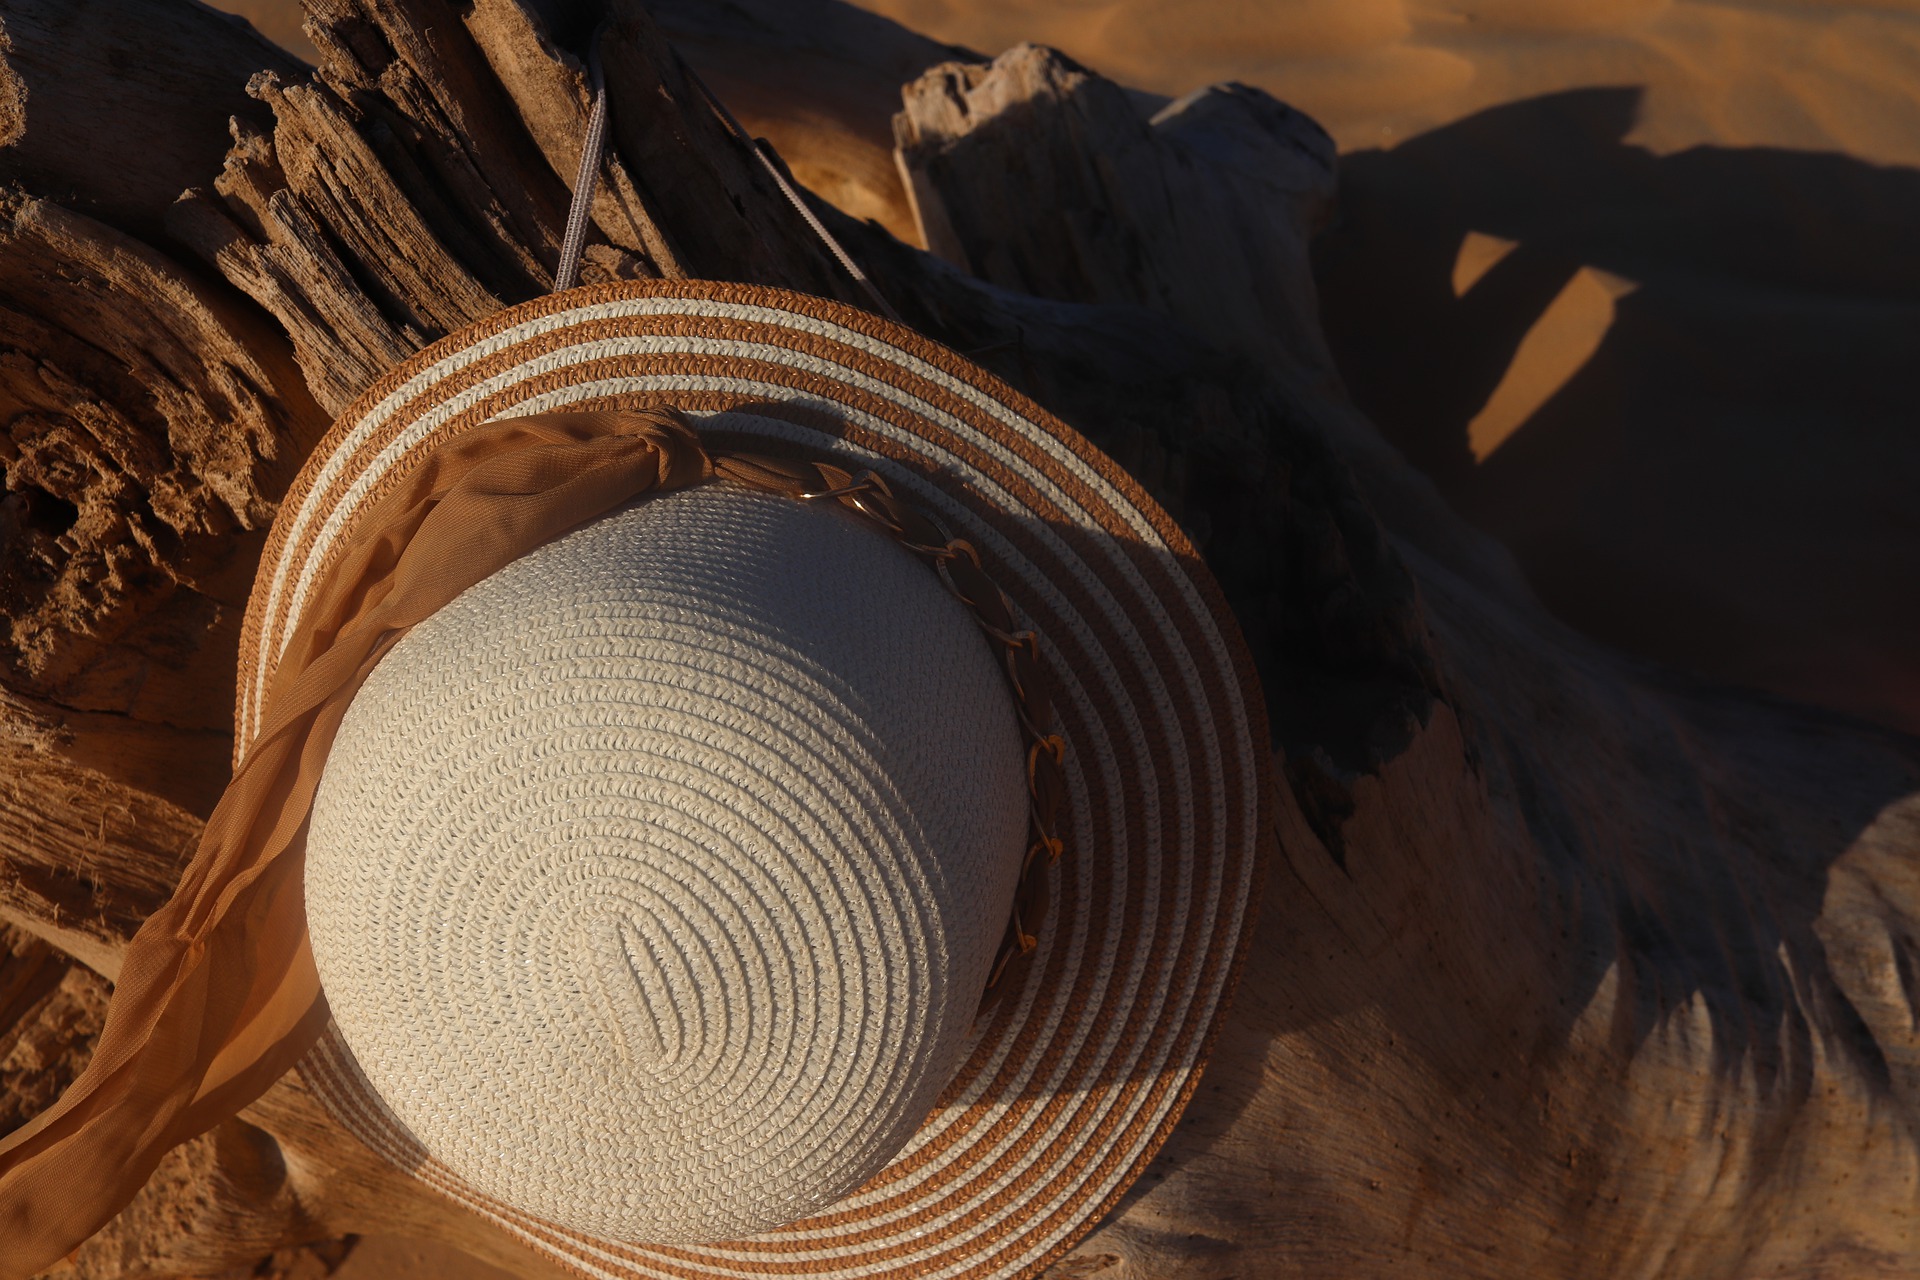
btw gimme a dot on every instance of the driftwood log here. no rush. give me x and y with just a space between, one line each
1568 968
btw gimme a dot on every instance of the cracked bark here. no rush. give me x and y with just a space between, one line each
1568 967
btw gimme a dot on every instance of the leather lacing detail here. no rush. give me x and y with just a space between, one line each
867 495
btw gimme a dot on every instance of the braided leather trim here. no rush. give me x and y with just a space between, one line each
868 496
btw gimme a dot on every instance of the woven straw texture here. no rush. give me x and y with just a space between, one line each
654 880
1077 1075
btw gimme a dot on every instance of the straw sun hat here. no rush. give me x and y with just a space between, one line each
655 881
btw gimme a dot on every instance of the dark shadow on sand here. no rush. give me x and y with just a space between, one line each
1729 483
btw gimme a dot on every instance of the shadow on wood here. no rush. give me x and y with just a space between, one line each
1569 966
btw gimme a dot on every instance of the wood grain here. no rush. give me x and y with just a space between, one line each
1568 968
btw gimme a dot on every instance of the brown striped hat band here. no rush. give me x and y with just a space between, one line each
761 973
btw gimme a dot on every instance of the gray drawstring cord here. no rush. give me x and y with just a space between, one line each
585 180
594 150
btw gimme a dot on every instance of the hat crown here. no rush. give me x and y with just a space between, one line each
653 881
633 995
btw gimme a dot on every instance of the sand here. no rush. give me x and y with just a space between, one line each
1807 74
277 20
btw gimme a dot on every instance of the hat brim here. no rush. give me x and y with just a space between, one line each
1079 1073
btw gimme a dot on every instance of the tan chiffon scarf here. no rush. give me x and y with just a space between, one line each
218 995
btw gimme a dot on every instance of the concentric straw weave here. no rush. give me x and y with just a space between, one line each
1078 1074
655 879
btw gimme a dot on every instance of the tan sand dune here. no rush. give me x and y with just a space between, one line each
1809 74
277 20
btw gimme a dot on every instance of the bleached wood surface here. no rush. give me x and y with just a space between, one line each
1567 969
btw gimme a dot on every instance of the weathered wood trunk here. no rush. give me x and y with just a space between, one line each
1567 969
